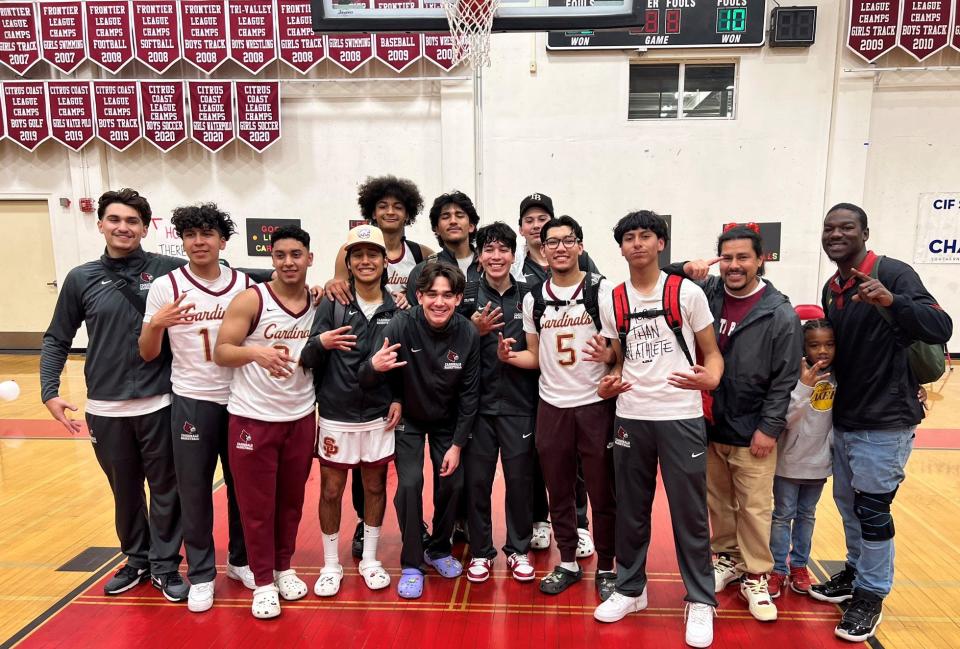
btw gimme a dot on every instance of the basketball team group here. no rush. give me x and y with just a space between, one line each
483 350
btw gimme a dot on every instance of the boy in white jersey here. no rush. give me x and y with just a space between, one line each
272 421
188 304
659 416
572 420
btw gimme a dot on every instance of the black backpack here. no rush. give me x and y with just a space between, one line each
669 309
590 300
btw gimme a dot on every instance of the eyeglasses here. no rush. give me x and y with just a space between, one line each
568 242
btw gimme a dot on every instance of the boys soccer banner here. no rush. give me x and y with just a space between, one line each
938 229
164 113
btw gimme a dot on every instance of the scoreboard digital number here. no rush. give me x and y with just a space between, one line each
675 23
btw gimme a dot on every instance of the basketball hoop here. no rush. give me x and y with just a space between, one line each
470 24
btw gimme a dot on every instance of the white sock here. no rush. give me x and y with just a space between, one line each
371 536
572 566
331 554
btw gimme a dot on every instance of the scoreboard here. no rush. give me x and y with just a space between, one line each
674 23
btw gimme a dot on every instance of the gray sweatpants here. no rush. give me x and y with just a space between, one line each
681 449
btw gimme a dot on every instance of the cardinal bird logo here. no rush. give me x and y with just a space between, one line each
245 443
189 432
189 428
146 277
452 356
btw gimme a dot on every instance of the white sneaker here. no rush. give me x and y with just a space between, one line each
584 544
724 572
619 606
699 621
243 574
541 536
200 598
759 600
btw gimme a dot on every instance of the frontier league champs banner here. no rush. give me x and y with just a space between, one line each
938 229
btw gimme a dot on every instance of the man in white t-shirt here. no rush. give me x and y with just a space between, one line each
654 324
188 305
561 325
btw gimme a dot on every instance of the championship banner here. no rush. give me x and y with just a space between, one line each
164 113
258 113
253 41
204 33
349 51
61 34
25 113
116 112
438 49
156 33
211 113
924 27
300 47
71 112
872 31
955 41
109 33
938 229
19 40
398 51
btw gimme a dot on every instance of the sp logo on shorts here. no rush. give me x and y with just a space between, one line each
245 443
330 447
189 432
622 438
453 361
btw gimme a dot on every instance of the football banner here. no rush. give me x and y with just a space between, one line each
109 33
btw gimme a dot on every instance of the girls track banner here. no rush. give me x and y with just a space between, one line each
206 34
919 27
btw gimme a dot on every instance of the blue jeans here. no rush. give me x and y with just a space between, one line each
871 461
794 513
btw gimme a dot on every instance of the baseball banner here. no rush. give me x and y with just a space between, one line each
398 51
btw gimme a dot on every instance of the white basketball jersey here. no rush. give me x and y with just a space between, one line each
398 270
566 379
193 373
256 394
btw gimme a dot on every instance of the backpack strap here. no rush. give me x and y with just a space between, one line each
339 314
673 314
471 293
539 306
621 313
591 298
415 250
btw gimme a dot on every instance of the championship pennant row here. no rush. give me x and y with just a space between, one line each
205 33
921 27
121 112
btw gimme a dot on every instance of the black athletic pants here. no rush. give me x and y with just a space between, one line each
681 448
410 441
129 450
510 437
199 437
541 507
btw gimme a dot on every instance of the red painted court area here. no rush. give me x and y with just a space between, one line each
453 614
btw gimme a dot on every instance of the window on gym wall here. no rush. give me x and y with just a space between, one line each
681 91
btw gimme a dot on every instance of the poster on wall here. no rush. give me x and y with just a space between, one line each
156 33
872 30
204 33
938 229
258 113
300 47
769 234
116 112
924 27
253 41
438 49
109 33
259 231
211 113
71 112
25 113
62 42
19 40
164 113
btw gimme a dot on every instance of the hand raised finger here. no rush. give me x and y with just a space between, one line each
713 261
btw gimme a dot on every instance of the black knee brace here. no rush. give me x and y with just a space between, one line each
873 510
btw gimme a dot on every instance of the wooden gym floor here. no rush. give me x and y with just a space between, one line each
58 547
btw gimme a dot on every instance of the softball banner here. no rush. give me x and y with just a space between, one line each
938 229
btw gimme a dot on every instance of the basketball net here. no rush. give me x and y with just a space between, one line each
470 24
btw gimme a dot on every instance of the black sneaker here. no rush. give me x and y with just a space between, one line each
424 534
125 579
606 584
172 586
838 589
460 533
862 617
559 580
356 547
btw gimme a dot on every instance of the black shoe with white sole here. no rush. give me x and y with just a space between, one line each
356 545
172 586
838 589
862 617
126 578
559 580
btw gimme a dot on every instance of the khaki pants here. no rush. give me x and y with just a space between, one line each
740 500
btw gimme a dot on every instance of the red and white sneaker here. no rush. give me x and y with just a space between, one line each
776 583
800 580
479 570
519 564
